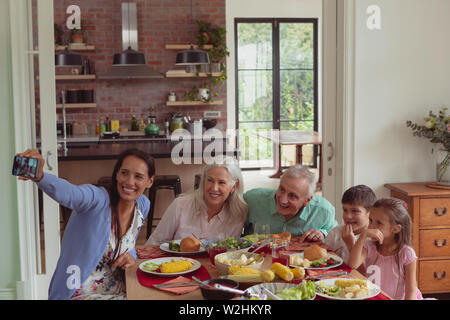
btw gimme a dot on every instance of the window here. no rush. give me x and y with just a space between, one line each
276 86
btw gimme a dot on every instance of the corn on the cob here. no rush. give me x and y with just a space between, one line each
243 270
268 275
298 272
177 266
348 283
282 271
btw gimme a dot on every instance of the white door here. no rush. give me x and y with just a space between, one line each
35 280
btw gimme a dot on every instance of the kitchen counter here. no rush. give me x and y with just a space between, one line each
159 148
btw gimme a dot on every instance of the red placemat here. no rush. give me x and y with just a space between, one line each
152 252
148 280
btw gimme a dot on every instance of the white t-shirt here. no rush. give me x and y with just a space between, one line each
334 242
179 221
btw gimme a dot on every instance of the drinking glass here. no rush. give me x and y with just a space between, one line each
278 251
262 231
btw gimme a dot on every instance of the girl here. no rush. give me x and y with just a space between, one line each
389 259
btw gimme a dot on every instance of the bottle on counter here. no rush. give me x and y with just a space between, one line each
166 127
102 125
108 124
134 125
141 125
97 128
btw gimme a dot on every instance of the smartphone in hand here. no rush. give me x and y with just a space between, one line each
26 167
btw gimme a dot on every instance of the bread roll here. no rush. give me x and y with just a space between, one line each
314 252
189 245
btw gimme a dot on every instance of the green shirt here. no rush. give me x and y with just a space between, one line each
318 214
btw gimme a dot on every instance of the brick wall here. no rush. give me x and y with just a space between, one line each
160 22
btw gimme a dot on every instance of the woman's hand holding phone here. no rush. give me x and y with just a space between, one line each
33 153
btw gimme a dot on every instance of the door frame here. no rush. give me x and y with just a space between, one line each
338 90
33 283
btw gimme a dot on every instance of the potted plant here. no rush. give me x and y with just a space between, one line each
215 36
437 130
59 33
77 35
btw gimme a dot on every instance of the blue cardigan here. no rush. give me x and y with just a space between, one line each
87 232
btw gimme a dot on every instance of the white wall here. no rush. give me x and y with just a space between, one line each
401 72
264 9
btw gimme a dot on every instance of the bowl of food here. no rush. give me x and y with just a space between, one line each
215 294
224 261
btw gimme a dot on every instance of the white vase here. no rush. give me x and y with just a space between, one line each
443 168
203 94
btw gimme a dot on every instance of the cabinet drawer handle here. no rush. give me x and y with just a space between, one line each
440 243
439 276
440 211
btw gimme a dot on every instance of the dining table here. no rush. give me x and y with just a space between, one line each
136 291
298 138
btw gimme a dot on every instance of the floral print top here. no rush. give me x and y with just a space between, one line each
103 283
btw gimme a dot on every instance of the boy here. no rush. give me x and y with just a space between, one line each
356 204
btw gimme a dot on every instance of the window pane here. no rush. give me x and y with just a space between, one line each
297 95
255 96
254 46
296 45
255 151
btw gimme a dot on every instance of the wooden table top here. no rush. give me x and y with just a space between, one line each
135 291
292 137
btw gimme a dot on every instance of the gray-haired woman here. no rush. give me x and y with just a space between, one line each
216 208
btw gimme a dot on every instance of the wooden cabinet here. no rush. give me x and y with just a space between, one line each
429 209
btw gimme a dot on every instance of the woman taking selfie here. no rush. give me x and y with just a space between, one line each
215 210
99 239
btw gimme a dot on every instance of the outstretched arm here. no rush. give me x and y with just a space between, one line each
79 198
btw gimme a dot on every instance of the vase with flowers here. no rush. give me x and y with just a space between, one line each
437 130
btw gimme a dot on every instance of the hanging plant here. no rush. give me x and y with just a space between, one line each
215 36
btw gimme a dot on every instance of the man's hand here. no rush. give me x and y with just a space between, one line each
312 235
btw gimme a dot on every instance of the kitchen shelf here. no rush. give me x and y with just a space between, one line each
73 77
191 75
186 46
77 105
86 47
192 103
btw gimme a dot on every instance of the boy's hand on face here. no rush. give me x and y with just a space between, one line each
348 236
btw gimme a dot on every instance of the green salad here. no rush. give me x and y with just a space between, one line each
150 266
305 291
231 243
329 290
174 246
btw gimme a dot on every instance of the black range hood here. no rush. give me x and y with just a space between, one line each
130 64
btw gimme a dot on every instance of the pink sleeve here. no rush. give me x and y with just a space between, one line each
407 255
371 248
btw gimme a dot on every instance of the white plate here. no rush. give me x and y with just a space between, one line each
332 255
272 287
195 266
165 247
373 289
